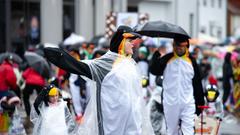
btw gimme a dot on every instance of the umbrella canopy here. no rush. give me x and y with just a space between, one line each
10 55
38 63
100 41
95 40
161 29
73 39
39 49
204 38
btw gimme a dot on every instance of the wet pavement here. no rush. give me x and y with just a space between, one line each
229 126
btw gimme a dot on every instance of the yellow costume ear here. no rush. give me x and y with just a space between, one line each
121 48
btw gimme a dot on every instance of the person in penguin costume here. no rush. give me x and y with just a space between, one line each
116 106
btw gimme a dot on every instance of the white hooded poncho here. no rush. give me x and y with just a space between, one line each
118 90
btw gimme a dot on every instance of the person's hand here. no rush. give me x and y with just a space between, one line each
198 111
79 119
7 107
3 99
218 118
156 55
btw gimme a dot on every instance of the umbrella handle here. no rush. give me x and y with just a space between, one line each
219 122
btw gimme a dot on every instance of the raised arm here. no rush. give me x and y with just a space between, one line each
158 63
65 61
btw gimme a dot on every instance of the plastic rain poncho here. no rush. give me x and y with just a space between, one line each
155 109
118 93
16 126
53 120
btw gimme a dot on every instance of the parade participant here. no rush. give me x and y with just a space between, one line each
182 87
51 115
117 99
34 81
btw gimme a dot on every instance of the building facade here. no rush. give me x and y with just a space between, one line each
29 21
233 18
53 20
213 18
195 16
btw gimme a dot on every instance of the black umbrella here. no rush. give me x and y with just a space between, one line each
39 49
161 29
95 40
38 63
10 55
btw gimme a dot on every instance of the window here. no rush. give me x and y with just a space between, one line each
205 3
68 18
191 24
211 28
203 29
3 22
219 32
220 3
212 3
132 9
25 23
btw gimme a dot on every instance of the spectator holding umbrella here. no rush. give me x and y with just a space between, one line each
14 61
34 77
34 81
8 79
